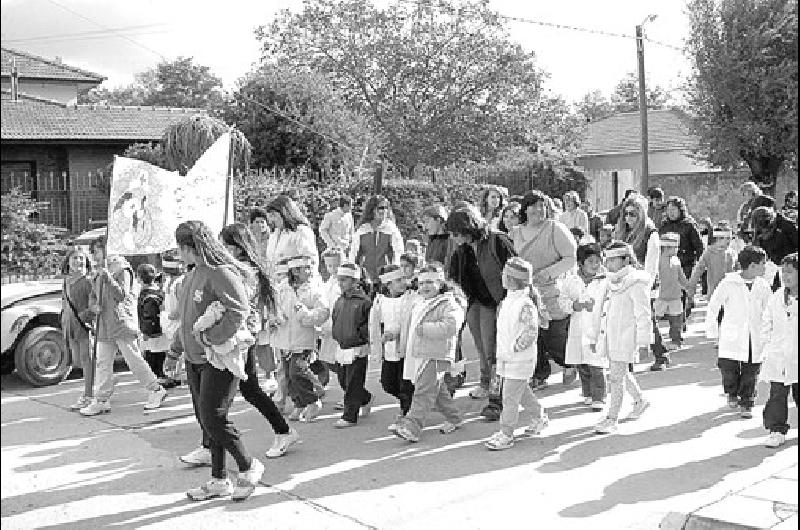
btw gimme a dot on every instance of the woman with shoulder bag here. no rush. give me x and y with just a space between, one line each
75 314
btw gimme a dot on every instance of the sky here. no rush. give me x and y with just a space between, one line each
220 35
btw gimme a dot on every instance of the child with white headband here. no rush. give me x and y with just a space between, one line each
672 283
301 309
717 260
329 348
622 330
385 319
350 329
517 331
428 339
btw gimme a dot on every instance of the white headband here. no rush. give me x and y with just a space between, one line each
300 261
723 233
622 252
431 276
350 272
392 275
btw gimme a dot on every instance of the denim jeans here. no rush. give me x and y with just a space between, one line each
776 411
551 344
517 392
593 382
482 322
255 395
430 392
213 391
106 350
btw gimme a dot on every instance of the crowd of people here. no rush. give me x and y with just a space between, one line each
532 283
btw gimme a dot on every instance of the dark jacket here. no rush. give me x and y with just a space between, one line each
782 241
691 246
658 215
440 248
491 255
350 320
595 224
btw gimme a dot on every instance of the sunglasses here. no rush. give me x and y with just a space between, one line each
382 208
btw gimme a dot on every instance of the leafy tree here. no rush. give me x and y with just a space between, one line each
625 97
22 238
743 87
306 122
179 83
594 106
442 81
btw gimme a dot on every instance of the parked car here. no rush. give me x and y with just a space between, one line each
30 332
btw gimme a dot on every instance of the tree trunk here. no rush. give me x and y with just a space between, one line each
765 171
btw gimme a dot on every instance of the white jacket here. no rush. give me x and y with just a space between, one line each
741 322
516 314
388 314
779 336
622 324
329 348
573 289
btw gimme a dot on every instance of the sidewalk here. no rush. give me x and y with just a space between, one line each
767 503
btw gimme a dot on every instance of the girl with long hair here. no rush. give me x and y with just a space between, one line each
377 242
492 203
291 235
76 318
217 277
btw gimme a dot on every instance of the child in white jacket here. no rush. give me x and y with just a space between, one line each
622 330
779 335
329 348
580 293
742 296
517 331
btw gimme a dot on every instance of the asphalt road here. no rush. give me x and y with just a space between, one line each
61 470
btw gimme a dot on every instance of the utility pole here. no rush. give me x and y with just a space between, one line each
645 178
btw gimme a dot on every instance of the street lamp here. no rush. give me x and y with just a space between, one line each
645 179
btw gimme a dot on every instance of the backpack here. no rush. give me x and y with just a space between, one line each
149 312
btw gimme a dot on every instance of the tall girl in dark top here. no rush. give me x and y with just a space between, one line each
76 318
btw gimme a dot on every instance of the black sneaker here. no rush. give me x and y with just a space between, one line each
538 384
491 412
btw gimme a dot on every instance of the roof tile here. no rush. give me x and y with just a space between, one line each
667 130
35 67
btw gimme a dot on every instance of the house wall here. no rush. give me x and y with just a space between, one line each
49 180
89 171
662 162
61 91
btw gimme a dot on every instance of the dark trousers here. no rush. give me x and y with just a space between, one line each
213 391
593 382
353 376
303 385
776 411
255 395
552 345
675 328
332 367
155 359
739 379
658 349
393 383
320 369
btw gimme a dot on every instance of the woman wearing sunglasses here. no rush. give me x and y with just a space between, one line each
638 230
377 242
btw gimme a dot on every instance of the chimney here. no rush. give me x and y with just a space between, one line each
14 80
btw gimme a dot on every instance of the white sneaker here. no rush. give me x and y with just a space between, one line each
366 409
155 399
598 405
247 481
607 426
499 441
282 443
450 427
638 410
310 413
587 400
216 487
538 425
271 387
200 456
479 393
96 407
775 439
82 402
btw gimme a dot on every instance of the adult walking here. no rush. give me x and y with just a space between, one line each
656 206
260 230
477 266
113 300
74 317
217 277
377 242
550 248
776 235
638 230
690 248
336 228
595 221
749 191
291 235
573 216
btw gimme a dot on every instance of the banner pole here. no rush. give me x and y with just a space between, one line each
229 180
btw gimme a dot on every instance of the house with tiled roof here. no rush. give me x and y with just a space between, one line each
611 157
58 150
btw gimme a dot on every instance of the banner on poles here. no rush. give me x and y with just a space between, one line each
147 203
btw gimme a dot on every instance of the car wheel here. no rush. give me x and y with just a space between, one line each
42 357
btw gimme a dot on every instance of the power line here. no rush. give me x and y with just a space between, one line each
83 38
96 33
65 8
428 3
